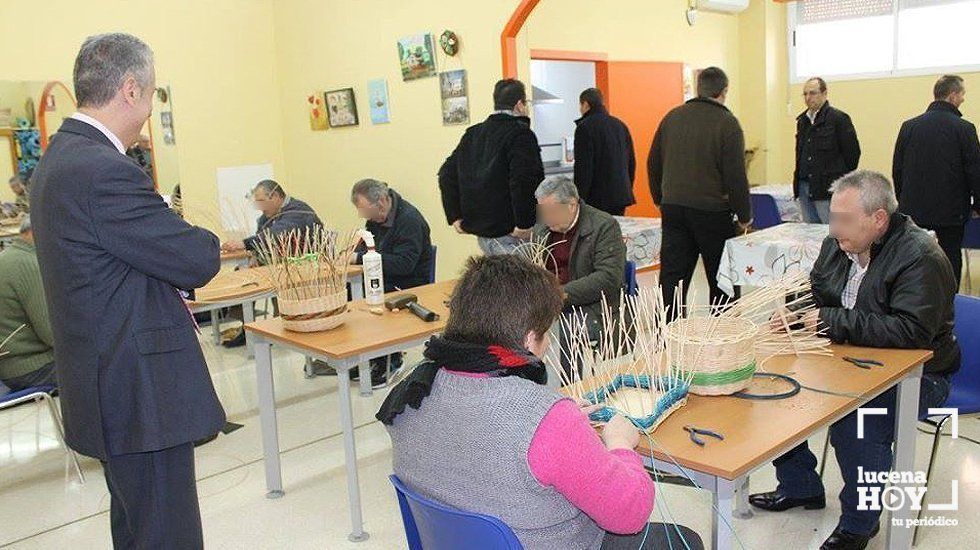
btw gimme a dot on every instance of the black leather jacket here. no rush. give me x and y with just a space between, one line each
905 299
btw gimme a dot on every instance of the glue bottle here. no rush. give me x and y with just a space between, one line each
374 282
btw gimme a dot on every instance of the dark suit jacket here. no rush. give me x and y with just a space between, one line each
825 150
112 256
605 164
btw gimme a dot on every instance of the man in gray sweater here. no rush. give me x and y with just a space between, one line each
697 178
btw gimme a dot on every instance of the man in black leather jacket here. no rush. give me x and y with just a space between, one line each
880 281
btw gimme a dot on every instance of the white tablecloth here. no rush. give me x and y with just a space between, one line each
642 237
758 258
789 208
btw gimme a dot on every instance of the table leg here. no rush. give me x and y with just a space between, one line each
216 326
742 508
898 536
267 416
365 379
721 519
350 455
248 316
357 293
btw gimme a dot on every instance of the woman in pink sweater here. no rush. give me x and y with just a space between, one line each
474 426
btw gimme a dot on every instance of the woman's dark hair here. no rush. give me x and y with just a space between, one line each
499 299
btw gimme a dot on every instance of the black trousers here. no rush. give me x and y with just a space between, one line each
689 233
154 500
951 241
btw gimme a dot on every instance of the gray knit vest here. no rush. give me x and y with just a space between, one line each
466 447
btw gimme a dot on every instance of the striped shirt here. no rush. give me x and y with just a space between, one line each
848 296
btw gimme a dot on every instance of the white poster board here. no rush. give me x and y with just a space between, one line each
235 184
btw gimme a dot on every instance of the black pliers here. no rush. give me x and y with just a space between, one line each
863 363
695 432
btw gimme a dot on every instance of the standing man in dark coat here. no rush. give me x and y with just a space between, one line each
488 182
135 389
605 164
937 168
826 148
697 178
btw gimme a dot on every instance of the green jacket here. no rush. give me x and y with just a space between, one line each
598 261
22 303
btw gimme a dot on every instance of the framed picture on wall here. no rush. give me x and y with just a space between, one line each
417 55
455 103
378 100
318 113
341 108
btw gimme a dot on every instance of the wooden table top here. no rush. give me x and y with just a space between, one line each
242 283
236 255
364 331
758 431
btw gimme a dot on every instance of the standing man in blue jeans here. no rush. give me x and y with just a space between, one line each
488 182
880 281
826 148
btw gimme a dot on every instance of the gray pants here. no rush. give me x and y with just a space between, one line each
656 537
44 376
499 245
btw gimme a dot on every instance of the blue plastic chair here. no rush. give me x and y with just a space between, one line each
629 279
38 394
433 526
765 213
432 265
971 241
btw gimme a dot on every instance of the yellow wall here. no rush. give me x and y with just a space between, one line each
217 56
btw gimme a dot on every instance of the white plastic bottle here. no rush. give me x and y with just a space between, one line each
374 281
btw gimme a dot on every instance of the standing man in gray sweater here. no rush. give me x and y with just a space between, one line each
697 179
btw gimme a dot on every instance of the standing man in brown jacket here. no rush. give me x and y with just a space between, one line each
697 179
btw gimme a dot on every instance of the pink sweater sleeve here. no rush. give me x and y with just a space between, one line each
611 487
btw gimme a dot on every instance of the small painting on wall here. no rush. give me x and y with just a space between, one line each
341 108
455 103
417 55
318 112
378 100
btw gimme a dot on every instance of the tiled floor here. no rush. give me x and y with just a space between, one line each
43 506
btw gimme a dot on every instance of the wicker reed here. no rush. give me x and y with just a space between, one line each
314 314
718 351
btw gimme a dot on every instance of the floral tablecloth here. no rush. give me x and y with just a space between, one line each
642 236
789 208
759 257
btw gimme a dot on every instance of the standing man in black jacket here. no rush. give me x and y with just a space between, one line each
605 163
826 148
697 178
879 281
488 182
937 168
135 390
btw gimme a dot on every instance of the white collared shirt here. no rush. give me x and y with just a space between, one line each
855 275
101 127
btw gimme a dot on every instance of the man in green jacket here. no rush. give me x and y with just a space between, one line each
587 251
28 358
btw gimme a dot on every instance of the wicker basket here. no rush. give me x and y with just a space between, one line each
314 314
720 352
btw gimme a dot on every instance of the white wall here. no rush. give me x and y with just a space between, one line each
565 79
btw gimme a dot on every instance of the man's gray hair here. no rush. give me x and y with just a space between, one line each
25 224
105 61
875 190
560 187
371 189
271 187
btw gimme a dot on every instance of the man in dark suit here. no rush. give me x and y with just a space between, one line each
605 163
936 168
135 389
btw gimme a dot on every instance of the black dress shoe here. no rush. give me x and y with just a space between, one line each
778 502
842 540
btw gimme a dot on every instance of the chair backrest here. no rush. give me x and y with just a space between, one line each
8 399
629 279
966 326
765 213
432 265
971 234
433 526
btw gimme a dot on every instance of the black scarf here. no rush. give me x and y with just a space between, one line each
462 357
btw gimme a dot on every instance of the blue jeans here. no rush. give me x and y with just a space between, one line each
796 470
499 245
813 211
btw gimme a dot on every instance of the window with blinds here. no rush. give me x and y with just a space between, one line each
880 38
